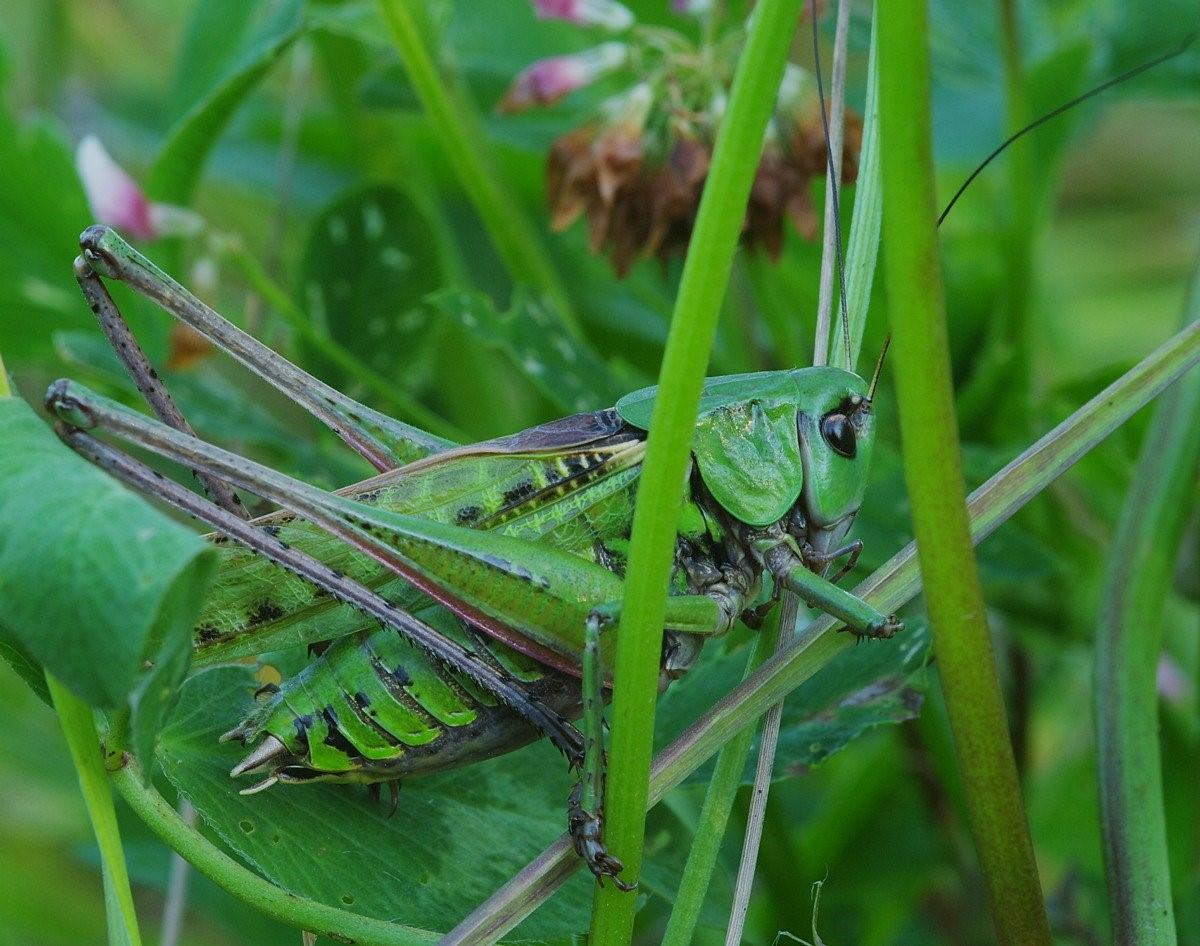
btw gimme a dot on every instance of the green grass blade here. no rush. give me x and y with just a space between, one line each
888 588
936 490
862 247
79 728
1128 642
457 127
693 326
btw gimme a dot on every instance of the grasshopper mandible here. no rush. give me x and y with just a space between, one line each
471 593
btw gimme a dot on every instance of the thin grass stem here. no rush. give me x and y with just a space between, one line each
714 814
933 472
862 245
761 789
456 125
830 250
693 326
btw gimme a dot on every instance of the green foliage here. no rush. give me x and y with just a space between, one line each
272 119
177 167
564 369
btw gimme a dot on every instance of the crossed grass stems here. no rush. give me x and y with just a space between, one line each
889 587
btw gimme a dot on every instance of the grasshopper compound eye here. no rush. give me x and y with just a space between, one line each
838 432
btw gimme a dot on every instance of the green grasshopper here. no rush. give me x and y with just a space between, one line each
470 595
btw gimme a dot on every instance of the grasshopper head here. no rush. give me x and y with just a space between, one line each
837 432
771 442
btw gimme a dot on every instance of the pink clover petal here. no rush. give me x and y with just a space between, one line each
113 196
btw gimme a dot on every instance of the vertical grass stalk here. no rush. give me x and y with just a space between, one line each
693 325
933 472
833 118
79 728
862 246
1128 642
463 142
714 814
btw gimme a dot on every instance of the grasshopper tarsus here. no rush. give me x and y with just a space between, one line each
587 829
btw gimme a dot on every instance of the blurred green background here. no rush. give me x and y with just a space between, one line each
1109 215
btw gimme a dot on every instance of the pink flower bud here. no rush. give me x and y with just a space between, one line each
114 197
606 13
692 7
548 80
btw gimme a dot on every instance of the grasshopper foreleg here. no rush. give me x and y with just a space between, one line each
786 563
146 379
562 734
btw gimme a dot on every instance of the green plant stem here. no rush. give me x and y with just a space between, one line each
465 147
714 817
933 472
339 925
390 394
1128 642
79 728
693 324
897 581
5 390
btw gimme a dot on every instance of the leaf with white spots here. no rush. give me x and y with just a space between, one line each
565 369
368 264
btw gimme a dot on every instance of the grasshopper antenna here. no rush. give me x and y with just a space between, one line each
1054 113
1066 106
887 341
833 186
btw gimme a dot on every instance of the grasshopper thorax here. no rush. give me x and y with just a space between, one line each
780 445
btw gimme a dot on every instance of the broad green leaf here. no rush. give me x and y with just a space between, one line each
568 372
93 581
368 264
179 163
875 684
454 838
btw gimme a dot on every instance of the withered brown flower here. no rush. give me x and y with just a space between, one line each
636 170
639 206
